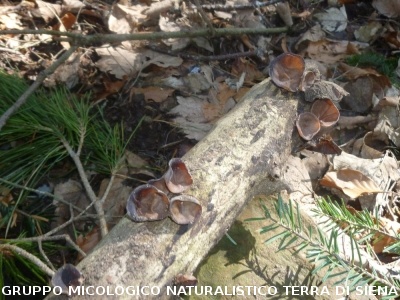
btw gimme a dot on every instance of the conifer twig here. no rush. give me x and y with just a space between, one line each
46 238
88 188
41 77
28 256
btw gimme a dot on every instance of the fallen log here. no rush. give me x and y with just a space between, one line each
243 156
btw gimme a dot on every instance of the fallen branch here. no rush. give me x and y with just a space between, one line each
98 205
82 40
227 173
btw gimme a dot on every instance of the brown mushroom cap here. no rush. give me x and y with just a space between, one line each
185 209
307 125
177 178
286 71
326 111
147 203
159 183
66 276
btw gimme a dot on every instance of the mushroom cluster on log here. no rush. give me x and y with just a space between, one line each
243 156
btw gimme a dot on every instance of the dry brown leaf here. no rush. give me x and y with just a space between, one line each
190 116
283 10
333 20
225 92
6 197
223 15
324 145
242 65
369 32
47 11
122 62
154 93
68 73
71 192
74 6
331 51
393 39
119 61
374 144
169 26
353 73
88 241
242 91
389 8
211 111
363 90
10 20
314 34
353 183
382 241
190 108
114 204
125 19
68 20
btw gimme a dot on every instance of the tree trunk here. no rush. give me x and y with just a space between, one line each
244 155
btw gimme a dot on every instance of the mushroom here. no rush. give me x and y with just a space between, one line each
67 276
307 125
326 112
177 178
185 209
147 203
159 183
185 280
286 71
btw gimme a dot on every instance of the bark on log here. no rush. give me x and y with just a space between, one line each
244 155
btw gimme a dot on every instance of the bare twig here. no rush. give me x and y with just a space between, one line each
72 219
41 77
205 17
203 57
107 191
224 7
88 188
46 238
81 40
28 256
40 192
82 132
348 122
45 256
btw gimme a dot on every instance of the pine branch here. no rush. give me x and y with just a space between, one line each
27 255
41 77
323 251
361 221
88 188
